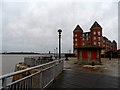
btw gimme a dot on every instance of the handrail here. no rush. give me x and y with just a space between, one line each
43 68
27 69
23 78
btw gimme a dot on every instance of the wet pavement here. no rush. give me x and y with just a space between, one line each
75 79
86 76
107 68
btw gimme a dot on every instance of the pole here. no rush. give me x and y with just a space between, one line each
56 52
59 43
59 46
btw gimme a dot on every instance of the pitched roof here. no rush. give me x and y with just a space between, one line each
95 25
105 38
78 28
114 41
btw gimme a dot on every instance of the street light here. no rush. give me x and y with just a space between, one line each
59 42
56 52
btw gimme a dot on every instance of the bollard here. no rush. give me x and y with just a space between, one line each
93 64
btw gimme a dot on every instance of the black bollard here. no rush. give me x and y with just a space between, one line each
93 64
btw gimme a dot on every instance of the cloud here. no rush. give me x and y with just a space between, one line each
119 25
0 27
31 26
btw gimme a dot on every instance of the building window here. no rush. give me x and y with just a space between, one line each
94 33
98 43
83 35
75 44
76 39
94 38
86 34
94 43
103 41
98 38
104 45
87 38
98 33
83 39
75 35
83 44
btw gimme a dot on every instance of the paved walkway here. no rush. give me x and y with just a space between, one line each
107 68
75 76
75 79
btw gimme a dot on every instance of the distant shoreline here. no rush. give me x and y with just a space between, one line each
33 53
20 53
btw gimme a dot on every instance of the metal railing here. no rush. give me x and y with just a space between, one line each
43 75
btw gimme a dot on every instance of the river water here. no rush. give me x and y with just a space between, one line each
10 60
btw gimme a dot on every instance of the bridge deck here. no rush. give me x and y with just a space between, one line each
71 78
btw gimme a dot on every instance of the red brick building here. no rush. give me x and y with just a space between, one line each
108 46
88 45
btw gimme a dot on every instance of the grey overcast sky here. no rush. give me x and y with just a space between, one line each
32 25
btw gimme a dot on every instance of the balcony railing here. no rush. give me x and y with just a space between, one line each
43 75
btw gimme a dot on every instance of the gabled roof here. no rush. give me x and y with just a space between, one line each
105 38
95 25
114 41
78 28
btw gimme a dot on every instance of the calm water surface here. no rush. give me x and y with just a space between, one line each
9 62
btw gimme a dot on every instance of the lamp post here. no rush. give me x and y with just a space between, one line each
59 43
56 52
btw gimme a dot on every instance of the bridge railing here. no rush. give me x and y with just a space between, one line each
41 77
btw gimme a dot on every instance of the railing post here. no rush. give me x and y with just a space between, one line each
41 86
54 70
4 83
62 64
31 82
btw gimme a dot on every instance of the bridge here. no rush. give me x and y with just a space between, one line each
55 75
